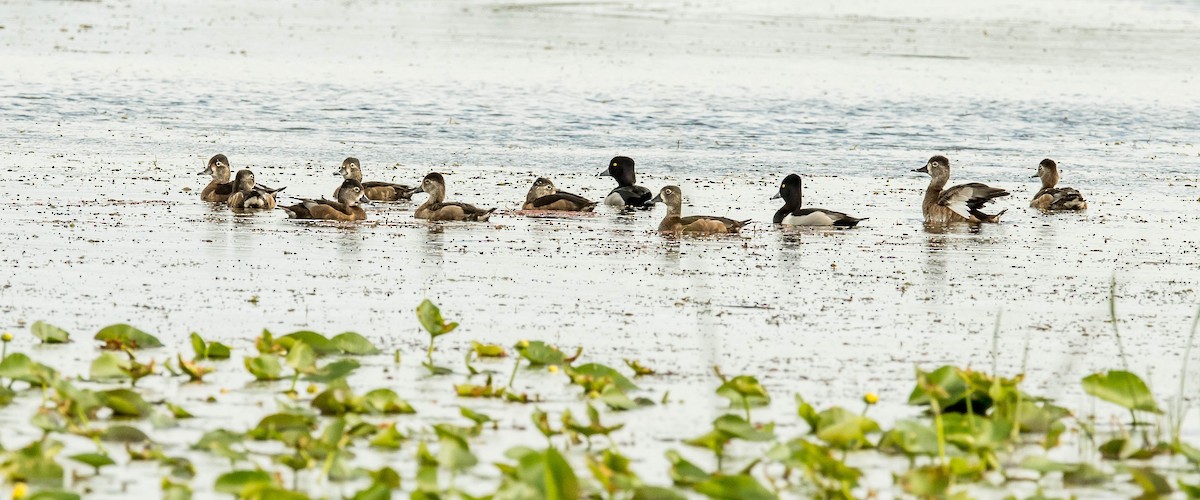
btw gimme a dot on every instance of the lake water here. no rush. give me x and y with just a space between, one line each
109 109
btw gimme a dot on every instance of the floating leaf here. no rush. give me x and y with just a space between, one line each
683 472
845 429
539 353
596 370
18 366
124 434
638 368
241 481
386 401
264 367
95 460
488 350
125 403
122 336
333 371
931 481
355 344
911 438
744 390
739 487
52 495
302 358
1121 388
49 334
319 344
431 319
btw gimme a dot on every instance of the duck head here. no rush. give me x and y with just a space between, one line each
671 196
351 169
621 169
218 167
433 185
937 167
789 190
244 180
541 187
1048 171
352 193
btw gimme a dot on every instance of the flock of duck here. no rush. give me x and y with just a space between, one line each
961 203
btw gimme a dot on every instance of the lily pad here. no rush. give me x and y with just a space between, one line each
49 334
355 344
122 336
1121 388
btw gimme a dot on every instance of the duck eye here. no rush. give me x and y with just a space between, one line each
614 163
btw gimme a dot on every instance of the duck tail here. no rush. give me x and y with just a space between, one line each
292 214
589 207
483 217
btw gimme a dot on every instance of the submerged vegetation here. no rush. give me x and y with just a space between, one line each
970 431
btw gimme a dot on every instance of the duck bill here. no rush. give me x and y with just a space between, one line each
207 171
1034 176
604 173
418 189
777 196
924 170
656 199
364 200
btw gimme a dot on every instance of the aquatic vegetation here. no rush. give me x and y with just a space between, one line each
970 431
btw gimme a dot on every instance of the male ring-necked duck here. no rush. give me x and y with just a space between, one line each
436 208
544 196
626 195
791 213
695 224
248 195
376 190
961 203
346 208
1052 198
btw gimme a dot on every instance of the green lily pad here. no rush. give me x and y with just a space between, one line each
1121 388
95 460
124 434
241 481
264 367
488 350
49 334
333 371
321 345
354 344
122 336
431 319
739 487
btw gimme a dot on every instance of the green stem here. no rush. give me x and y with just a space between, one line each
746 406
941 432
512 378
429 353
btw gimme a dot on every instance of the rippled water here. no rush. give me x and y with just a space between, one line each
105 127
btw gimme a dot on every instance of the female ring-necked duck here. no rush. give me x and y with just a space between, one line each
435 208
346 208
791 213
249 195
220 188
1052 198
626 195
376 190
961 203
544 196
695 224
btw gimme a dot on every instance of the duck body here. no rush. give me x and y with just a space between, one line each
346 208
219 189
1051 198
674 222
961 203
248 195
375 190
437 209
792 215
544 196
627 193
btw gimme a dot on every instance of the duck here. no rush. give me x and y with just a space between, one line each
626 194
376 191
346 208
791 214
436 208
961 203
544 196
248 195
219 189
672 196
1052 198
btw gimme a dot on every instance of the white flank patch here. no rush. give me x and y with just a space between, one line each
615 200
812 219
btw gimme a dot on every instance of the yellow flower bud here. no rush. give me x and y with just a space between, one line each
312 389
523 344
7 337
553 368
593 395
20 490
870 398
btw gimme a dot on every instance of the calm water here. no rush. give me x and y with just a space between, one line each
110 109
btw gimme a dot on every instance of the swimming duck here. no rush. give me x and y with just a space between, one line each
344 209
1052 198
248 195
435 208
219 188
376 191
626 195
696 224
791 213
544 196
961 203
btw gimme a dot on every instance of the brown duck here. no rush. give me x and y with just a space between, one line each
693 224
544 196
344 209
249 195
961 203
1052 198
375 190
436 208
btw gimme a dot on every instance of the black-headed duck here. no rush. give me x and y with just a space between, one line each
544 196
1052 198
346 208
694 224
791 214
219 188
247 194
961 203
436 208
627 194
376 190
